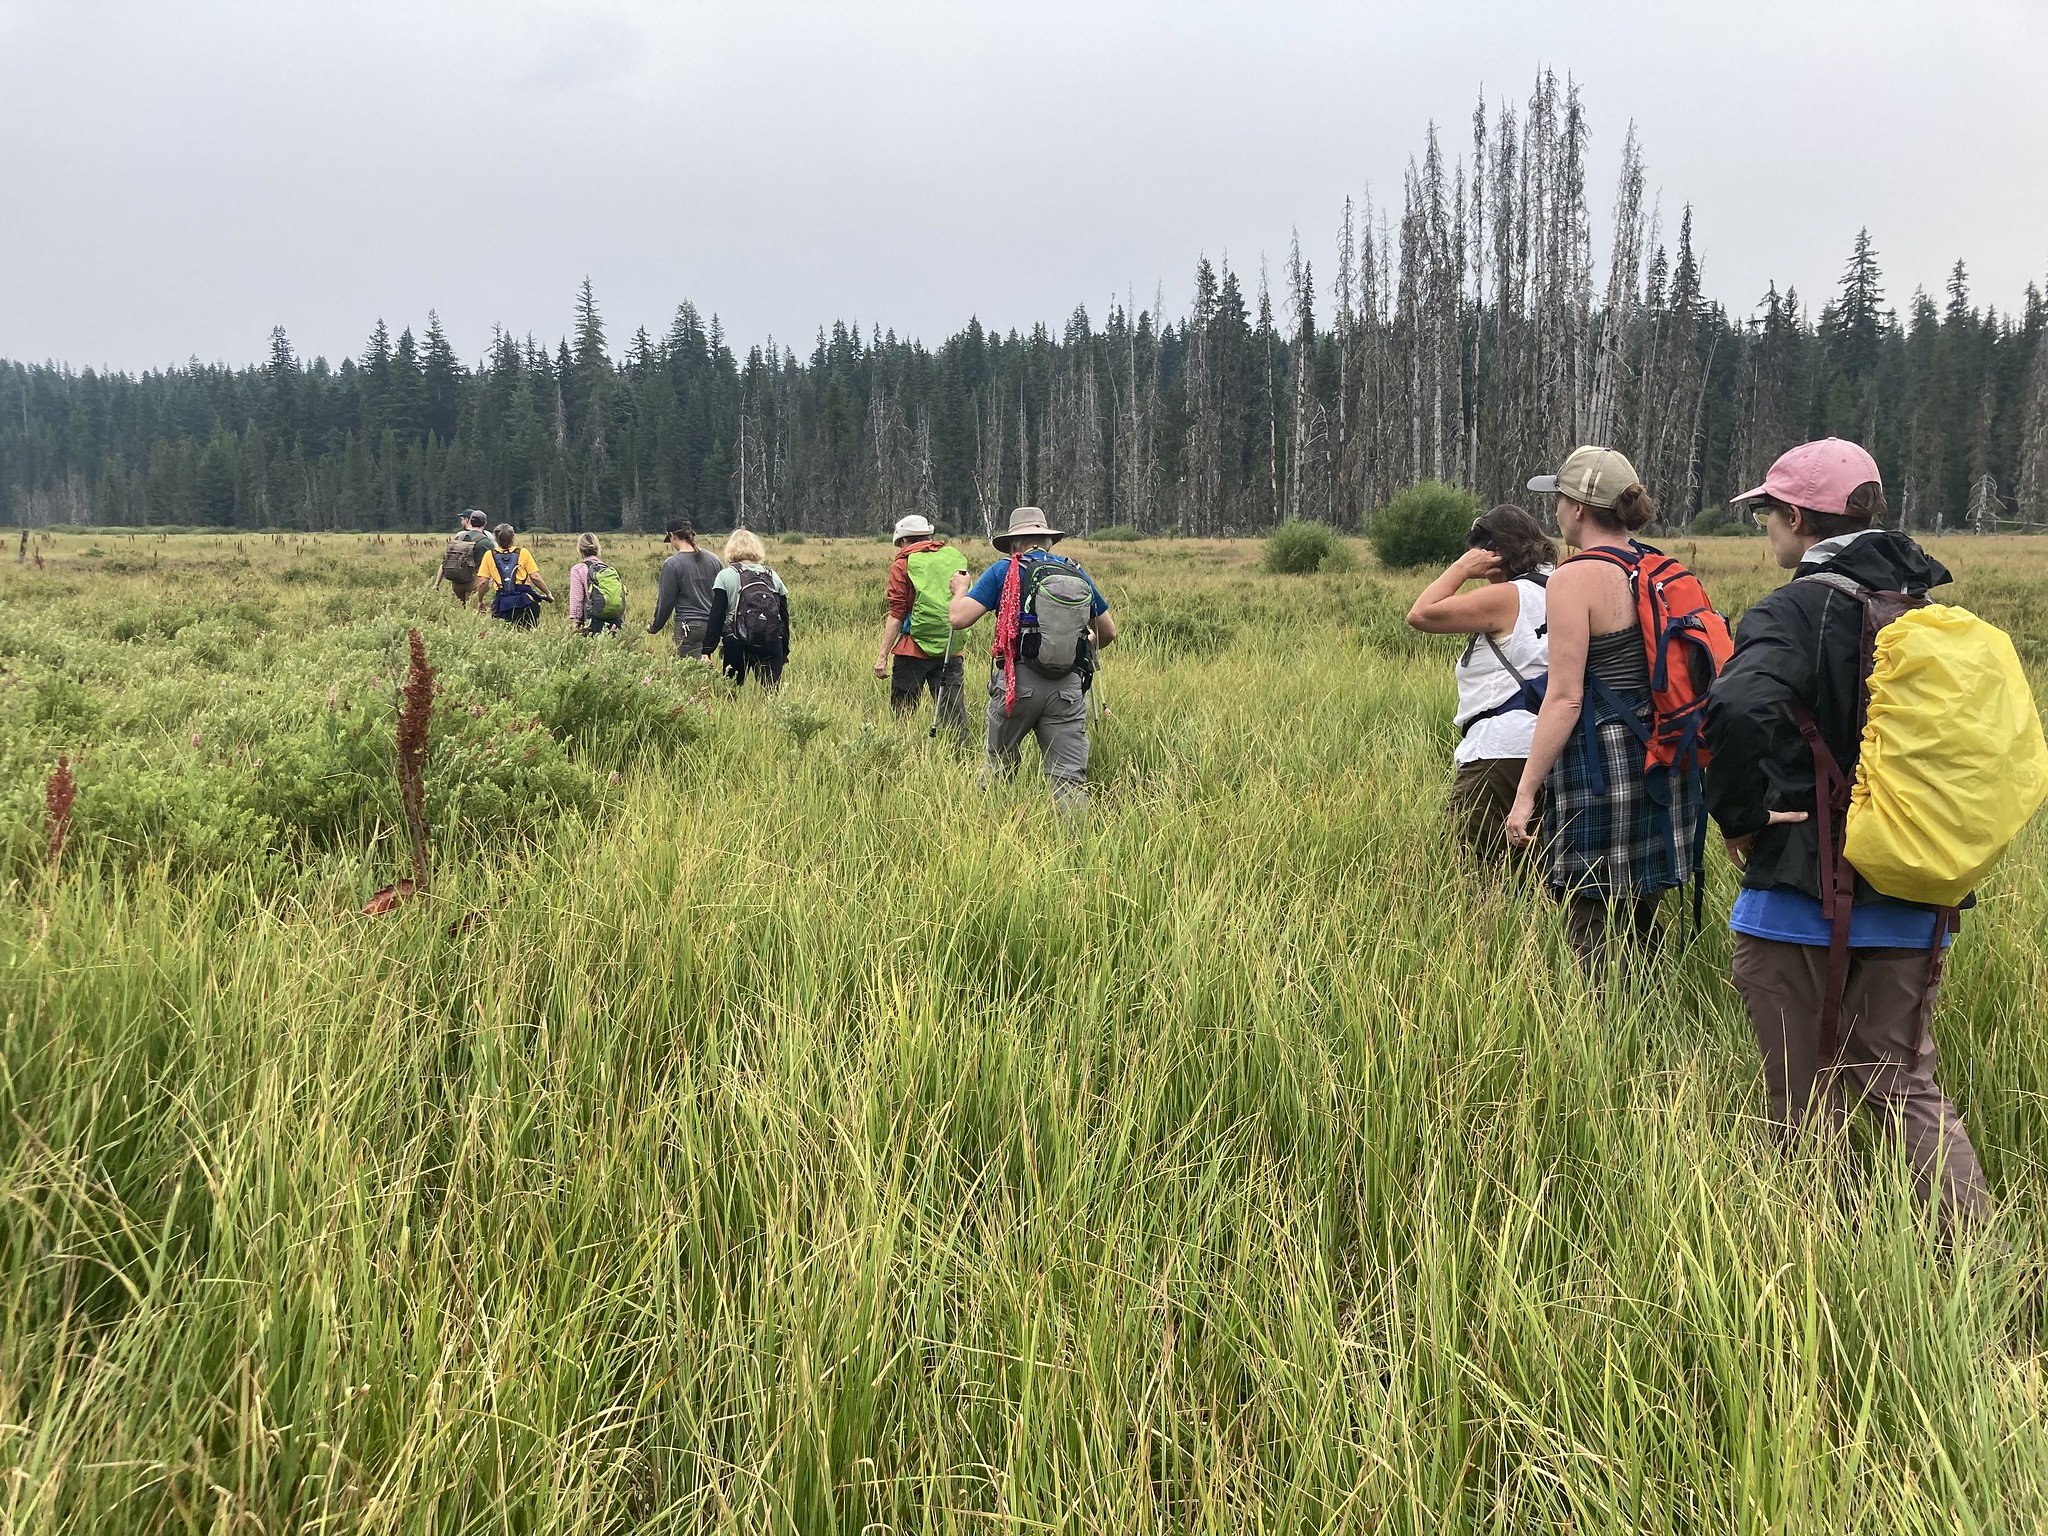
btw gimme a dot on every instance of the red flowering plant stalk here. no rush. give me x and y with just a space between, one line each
58 794
415 710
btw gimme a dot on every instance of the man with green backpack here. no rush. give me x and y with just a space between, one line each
1051 623
918 650
1873 754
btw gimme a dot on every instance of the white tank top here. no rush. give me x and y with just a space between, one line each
1484 684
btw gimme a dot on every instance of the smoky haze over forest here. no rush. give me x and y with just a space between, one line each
183 178
1700 278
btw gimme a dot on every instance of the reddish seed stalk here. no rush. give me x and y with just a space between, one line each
58 794
416 707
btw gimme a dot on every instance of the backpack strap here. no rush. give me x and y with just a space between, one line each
1837 878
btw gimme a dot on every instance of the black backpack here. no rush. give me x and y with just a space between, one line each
463 557
757 616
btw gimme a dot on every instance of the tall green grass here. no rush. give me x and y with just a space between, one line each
807 1139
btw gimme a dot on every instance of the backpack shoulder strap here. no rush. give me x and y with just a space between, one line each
1502 656
1614 557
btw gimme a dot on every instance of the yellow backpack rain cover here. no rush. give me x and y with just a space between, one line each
1953 762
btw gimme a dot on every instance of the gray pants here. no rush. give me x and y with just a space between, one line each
1055 710
1886 1059
690 639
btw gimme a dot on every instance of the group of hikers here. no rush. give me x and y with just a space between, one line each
1052 622
1605 712
1866 754
735 606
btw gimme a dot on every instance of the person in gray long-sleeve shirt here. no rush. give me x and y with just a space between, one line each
684 589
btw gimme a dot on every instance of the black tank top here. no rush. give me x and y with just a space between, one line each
1617 659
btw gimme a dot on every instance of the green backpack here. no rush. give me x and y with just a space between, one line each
931 574
604 594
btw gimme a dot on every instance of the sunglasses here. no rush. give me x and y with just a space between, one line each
1479 536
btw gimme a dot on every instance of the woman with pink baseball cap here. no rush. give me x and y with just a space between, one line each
1800 657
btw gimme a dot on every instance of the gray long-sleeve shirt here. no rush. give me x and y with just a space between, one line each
684 588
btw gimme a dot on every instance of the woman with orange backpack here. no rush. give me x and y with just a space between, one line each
1634 645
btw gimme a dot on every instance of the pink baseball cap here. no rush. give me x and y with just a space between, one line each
1817 476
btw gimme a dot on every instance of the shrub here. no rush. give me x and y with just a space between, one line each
1424 525
1719 521
794 536
1296 549
1116 533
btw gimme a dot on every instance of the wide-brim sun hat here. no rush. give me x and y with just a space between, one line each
1817 476
915 526
1027 523
1593 477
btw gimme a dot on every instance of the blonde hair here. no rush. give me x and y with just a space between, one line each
744 545
586 544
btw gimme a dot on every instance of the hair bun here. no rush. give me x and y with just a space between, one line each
1634 509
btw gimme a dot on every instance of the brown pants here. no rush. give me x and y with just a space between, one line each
1482 794
1886 1059
1621 932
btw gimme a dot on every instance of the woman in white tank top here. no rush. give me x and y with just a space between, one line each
1501 670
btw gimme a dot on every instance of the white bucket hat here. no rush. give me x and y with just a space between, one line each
915 526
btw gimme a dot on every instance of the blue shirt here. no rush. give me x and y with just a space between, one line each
988 586
1793 917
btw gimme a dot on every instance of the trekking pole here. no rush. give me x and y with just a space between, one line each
939 699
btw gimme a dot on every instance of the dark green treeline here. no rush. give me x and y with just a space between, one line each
1463 340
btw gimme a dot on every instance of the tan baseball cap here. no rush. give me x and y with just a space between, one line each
1593 477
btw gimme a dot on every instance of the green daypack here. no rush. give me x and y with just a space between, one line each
1055 604
931 573
604 594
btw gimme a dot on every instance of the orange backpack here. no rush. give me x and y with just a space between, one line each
1686 643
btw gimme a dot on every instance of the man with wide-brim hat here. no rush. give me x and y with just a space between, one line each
1051 622
919 651
1028 523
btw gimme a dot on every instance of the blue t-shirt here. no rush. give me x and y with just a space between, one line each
988 586
1793 917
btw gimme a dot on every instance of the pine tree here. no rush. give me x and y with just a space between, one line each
443 381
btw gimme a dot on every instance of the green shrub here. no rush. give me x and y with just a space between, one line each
1116 533
1424 525
792 537
1719 521
1296 549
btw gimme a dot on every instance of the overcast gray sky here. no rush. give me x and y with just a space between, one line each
177 177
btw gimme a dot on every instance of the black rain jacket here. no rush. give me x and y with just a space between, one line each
1804 641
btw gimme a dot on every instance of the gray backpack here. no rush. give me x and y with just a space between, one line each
1055 604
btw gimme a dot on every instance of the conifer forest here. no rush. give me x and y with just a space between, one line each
1468 332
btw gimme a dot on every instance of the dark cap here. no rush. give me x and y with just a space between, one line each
682 528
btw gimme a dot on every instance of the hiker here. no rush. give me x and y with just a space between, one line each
508 582
1500 684
467 547
684 590
1618 778
749 615
918 652
1051 621
1802 660
597 592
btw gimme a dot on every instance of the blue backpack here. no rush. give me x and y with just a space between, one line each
514 597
